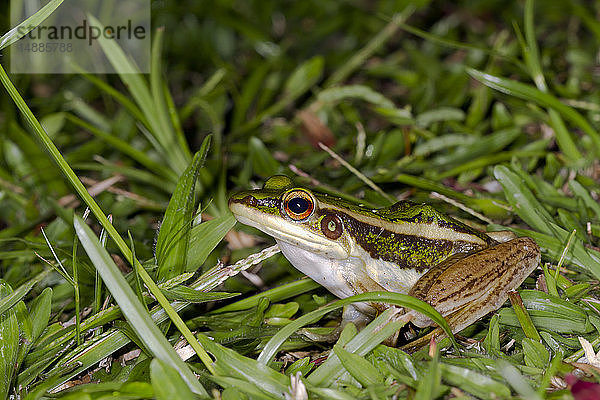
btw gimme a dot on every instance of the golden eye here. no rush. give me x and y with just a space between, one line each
298 204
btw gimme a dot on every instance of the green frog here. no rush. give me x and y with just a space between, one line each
406 248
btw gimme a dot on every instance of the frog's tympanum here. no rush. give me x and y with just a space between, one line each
405 248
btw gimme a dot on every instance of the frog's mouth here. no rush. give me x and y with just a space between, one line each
294 233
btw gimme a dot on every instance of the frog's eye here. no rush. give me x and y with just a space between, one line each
298 204
331 226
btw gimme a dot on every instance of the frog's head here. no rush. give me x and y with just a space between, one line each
293 215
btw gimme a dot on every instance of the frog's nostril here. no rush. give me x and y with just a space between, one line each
250 200
247 200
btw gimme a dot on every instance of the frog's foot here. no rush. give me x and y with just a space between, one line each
330 337
502 236
465 289
355 315
437 334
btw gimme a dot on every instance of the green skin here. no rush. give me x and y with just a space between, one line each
405 248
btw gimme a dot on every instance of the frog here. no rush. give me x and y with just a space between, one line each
408 247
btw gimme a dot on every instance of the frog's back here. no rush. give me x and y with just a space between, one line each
410 235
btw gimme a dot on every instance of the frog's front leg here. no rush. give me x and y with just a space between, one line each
351 278
464 289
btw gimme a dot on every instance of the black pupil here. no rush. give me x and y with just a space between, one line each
298 205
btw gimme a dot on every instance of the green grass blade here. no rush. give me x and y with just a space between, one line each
487 145
489 206
479 385
133 310
523 316
184 293
534 214
532 60
138 175
429 385
40 312
118 96
393 298
230 363
174 234
9 344
132 78
522 200
276 294
167 383
249 93
263 162
176 122
490 160
362 343
331 394
530 51
529 93
535 353
14 297
563 136
538 300
25 326
205 237
29 24
516 380
235 388
303 77
299 81
105 345
157 87
371 47
430 117
360 369
585 195
444 41
335 95
125 147
36 158
549 313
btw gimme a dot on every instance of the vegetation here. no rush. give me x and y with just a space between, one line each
486 109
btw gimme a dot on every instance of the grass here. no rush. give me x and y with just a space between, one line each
487 110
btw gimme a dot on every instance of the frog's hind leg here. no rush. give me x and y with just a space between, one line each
465 289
